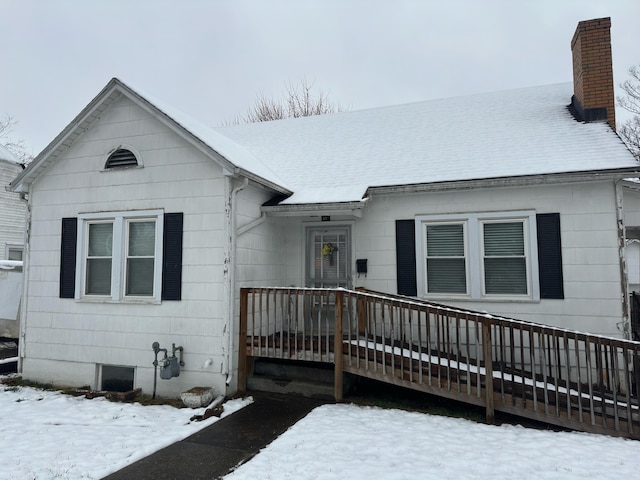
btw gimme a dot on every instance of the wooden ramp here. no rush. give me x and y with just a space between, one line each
571 379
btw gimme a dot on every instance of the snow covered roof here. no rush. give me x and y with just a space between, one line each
7 156
339 158
231 151
523 132
232 157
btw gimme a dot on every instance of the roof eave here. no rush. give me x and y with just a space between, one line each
107 96
516 181
67 136
353 209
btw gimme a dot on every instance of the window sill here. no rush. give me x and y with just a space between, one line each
126 301
491 299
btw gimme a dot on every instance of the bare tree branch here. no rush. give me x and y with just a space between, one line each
297 101
7 124
629 130
631 100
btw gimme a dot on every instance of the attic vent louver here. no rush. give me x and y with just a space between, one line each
122 158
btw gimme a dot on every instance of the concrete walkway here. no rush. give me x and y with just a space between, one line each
214 451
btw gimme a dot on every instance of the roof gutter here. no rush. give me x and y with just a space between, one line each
525 180
334 208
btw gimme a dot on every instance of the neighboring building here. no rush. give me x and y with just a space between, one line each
145 223
13 213
13 209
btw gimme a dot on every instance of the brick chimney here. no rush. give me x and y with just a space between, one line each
593 96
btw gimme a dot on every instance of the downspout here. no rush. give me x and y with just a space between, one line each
229 300
25 284
626 317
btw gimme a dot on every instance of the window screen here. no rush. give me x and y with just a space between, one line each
140 257
505 264
99 259
446 263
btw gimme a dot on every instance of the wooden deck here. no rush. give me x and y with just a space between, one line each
571 379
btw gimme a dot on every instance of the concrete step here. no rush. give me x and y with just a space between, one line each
308 379
319 372
307 389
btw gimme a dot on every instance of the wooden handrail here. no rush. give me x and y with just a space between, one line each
574 379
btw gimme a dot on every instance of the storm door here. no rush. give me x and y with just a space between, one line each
328 266
328 258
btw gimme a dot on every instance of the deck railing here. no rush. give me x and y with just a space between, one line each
572 379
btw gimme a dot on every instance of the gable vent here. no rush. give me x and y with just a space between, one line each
122 158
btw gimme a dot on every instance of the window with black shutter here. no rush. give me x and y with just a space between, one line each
481 256
133 255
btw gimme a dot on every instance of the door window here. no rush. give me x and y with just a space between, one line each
328 257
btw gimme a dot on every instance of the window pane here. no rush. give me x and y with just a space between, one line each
446 275
445 240
503 239
142 239
15 254
446 264
100 239
98 276
140 276
505 267
505 275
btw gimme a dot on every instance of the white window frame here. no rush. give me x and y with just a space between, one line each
11 247
118 266
465 228
474 254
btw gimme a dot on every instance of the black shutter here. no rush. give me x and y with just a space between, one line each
550 255
68 257
406 257
172 257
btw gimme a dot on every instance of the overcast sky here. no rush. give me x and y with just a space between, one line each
210 59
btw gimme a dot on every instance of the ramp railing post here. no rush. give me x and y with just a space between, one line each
488 371
242 344
338 348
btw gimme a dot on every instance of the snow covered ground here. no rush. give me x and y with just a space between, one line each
48 435
347 441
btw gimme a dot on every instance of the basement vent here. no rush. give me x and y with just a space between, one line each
122 158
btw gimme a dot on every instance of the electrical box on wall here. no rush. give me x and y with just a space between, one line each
361 266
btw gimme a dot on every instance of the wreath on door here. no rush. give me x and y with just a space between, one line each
328 249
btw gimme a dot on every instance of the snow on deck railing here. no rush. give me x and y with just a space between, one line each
569 378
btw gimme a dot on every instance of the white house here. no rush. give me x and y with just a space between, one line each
13 212
145 223
12 209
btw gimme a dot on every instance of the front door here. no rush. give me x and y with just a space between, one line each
328 257
328 266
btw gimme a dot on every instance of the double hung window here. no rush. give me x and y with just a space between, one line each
504 258
446 258
478 255
121 255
